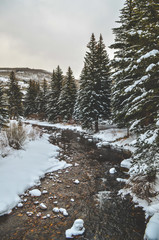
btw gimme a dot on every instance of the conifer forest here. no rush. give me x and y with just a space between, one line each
119 95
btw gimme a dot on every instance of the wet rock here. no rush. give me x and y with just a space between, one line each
43 206
76 181
29 214
35 193
20 205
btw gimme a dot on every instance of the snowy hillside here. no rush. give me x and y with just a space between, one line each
24 75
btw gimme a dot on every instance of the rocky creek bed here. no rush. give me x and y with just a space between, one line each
95 198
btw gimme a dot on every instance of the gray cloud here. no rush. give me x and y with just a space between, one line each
45 33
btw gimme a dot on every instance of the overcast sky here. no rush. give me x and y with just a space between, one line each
47 33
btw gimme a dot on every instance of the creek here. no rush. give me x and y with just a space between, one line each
106 215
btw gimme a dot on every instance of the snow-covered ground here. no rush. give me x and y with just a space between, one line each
56 125
22 169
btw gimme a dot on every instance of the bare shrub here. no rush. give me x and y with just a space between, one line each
3 143
34 133
16 135
142 188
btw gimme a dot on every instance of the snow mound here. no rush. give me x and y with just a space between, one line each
112 170
76 229
152 228
76 181
126 163
35 193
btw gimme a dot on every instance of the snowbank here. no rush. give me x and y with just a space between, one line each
126 163
152 228
23 168
56 125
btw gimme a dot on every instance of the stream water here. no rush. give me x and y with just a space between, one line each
106 215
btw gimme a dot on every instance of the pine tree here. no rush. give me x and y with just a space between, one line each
3 107
14 98
94 94
104 82
59 79
126 44
145 88
135 78
32 100
53 97
134 90
67 96
41 99
82 107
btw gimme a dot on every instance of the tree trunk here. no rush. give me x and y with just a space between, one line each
96 125
128 134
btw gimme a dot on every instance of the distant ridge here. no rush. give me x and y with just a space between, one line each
26 69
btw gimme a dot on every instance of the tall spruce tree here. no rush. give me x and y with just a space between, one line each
14 98
136 82
53 96
126 44
104 81
94 93
67 96
145 88
59 79
82 111
136 55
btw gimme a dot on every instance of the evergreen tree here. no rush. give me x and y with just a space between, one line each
135 78
32 99
82 106
94 94
134 103
41 100
67 96
59 79
3 107
14 98
104 82
145 88
53 97
126 44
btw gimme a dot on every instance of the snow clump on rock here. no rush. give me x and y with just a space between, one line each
35 193
76 229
